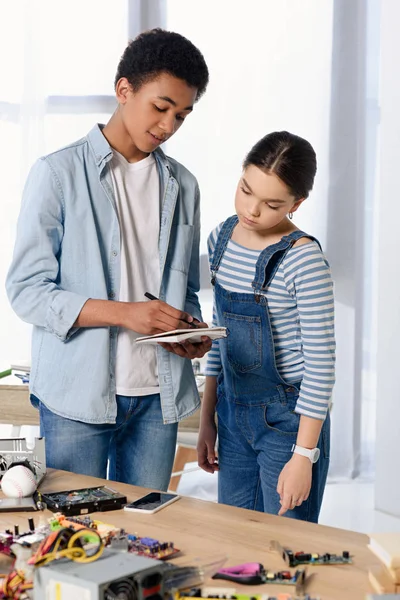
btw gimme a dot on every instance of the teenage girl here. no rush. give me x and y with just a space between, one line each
270 381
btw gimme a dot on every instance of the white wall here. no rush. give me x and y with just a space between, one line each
14 334
387 486
38 60
270 69
272 65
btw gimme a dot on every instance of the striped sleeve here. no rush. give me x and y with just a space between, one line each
308 281
213 365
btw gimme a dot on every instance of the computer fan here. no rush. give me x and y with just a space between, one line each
124 589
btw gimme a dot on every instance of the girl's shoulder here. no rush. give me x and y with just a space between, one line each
305 254
212 238
303 241
305 269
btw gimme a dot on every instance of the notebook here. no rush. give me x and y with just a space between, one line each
180 335
386 546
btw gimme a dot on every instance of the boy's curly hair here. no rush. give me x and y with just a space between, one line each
159 51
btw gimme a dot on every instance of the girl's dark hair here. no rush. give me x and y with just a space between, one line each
158 51
289 157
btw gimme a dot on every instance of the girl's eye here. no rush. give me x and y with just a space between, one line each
180 118
272 207
245 191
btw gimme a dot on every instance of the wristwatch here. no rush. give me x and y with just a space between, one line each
313 454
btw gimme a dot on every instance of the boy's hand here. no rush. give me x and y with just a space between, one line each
188 350
206 457
150 318
294 483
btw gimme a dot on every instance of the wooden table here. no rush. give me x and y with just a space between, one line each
15 407
206 530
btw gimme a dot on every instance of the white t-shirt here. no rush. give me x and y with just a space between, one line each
137 196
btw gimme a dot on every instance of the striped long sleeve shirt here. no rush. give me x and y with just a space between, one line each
301 309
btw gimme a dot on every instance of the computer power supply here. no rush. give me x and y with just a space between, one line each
115 575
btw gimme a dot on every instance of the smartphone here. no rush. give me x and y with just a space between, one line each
152 503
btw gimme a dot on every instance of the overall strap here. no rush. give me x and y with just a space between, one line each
271 257
224 236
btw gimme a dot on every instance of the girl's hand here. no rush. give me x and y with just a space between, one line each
206 456
294 482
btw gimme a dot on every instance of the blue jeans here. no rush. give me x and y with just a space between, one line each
139 447
254 445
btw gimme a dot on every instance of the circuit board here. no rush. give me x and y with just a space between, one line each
84 501
6 539
295 559
231 594
118 539
261 576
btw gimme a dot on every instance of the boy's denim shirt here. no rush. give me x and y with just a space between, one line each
68 250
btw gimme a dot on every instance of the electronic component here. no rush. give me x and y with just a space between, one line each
27 538
118 539
84 501
232 594
15 451
113 575
295 559
255 574
50 548
144 546
6 540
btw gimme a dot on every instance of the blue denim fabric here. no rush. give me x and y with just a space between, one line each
255 443
257 425
68 250
139 448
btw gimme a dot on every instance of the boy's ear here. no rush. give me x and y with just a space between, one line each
297 204
122 90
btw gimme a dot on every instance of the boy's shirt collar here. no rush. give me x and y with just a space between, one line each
101 149
103 152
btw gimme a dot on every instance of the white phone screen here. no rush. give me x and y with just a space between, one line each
152 501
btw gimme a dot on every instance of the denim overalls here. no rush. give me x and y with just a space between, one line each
257 425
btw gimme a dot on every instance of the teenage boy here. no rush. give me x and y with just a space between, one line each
103 221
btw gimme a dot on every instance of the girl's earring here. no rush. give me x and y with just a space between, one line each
290 215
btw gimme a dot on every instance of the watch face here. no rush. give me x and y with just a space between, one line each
314 456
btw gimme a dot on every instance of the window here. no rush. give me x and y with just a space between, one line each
57 80
265 75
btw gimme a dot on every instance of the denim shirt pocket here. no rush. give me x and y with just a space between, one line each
180 248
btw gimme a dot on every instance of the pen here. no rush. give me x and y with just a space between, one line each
24 378
151 297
